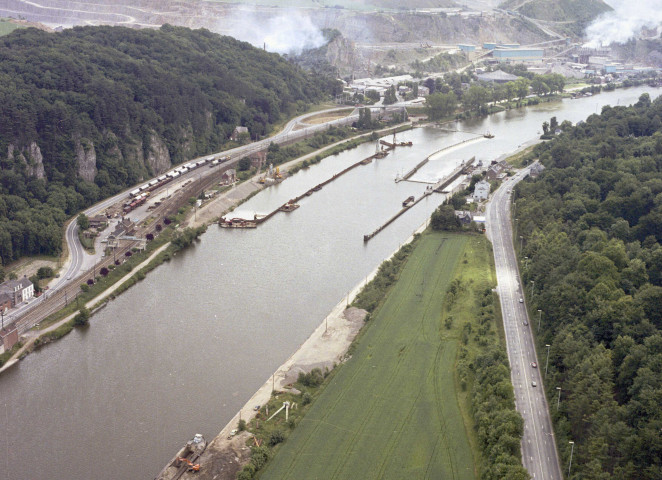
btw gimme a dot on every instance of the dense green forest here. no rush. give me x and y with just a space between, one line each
92 110
592 227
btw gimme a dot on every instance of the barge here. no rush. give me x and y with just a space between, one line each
185 459
409 201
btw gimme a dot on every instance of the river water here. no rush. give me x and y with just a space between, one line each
182 351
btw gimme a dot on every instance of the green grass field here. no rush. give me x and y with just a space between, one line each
391 411
7 27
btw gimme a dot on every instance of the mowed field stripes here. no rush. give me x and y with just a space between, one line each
391 411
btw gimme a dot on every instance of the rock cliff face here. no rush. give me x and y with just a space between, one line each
158 157
86 159
31 156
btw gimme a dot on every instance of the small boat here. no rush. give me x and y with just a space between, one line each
289 206
237 223
317 188
488 135
409 201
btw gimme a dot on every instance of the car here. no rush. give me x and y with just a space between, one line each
534 364
521 300
533 383
232 433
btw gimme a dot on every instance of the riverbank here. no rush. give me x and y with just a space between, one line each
326 346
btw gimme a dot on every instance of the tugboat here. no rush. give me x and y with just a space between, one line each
289 206
409 201
185 459
379 153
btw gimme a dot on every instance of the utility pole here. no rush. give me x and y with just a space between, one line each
558 400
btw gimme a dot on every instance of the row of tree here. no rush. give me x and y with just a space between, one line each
592 227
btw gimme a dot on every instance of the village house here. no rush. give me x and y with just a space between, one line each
237 133
464 216
229 176
5 302
481 191
98 222
497 170
123 228
18 291
536 169
258 159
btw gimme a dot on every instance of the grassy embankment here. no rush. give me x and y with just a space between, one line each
7 27
397 408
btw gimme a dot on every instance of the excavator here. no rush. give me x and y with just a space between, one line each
191 466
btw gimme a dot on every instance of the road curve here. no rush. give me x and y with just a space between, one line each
539 455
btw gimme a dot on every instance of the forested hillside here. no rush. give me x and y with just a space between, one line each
591 227
91 110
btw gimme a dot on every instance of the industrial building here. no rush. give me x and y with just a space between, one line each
466 47
518 54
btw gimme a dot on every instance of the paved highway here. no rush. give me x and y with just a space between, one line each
539 454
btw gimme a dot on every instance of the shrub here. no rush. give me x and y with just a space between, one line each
276 437
82 318
90 281
104 271
306 398
241 426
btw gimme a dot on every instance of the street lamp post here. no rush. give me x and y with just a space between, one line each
521 243
539 319
533 286
2 312
547 361
572 449
558 400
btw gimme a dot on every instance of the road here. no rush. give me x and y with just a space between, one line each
539 454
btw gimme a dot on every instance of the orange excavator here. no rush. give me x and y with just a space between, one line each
191 466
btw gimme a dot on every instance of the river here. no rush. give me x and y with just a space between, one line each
181 351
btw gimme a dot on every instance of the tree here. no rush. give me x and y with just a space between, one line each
83 221
389 96
475 97
440 105
82 318
444 218
104 271
244 164
45 272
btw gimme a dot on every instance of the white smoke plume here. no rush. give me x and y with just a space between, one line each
288 32
626 21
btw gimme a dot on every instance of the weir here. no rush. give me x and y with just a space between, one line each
291 204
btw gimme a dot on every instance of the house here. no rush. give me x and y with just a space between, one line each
237 132
497 170
18 291
481 191
464 216
423 91
536 169
98 221
9 337
123 228
5 301
258 159
229 176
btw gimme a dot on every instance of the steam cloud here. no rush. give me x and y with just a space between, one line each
624 22
290 32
